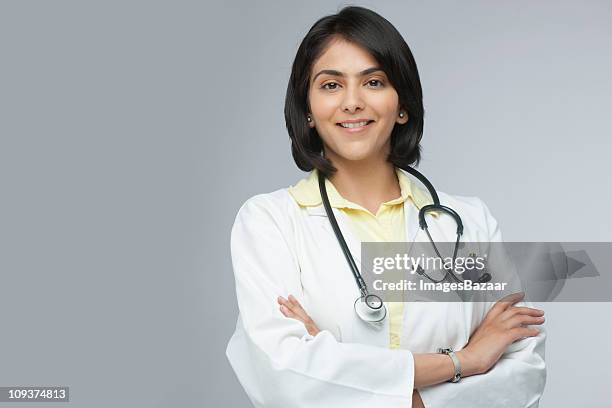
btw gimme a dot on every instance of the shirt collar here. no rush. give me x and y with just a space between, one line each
306 192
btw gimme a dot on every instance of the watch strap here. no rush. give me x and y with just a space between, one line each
449 352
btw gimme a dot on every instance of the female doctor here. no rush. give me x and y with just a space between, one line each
354 113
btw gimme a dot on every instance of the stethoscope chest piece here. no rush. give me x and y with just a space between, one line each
370 309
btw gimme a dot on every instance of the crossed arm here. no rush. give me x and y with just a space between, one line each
503 325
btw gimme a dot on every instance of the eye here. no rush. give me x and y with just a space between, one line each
325 86
377 83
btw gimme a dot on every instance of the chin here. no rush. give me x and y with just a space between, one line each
355 150
356 155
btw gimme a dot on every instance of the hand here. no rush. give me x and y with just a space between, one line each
503 325
291 308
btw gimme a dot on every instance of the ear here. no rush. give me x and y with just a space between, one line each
402 117
311 122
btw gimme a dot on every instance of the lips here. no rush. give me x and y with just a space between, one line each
367 122
355 128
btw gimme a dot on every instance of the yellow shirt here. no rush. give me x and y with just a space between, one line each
387 225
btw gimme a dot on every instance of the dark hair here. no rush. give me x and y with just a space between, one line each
379 37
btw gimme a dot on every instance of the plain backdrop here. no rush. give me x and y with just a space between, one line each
131 133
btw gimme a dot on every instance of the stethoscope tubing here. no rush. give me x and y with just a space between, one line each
436 206
345 249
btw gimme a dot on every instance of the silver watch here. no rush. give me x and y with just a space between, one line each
449 351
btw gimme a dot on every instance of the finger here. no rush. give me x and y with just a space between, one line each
286 307
503 304
293 300
511 298
295 312
286 302
521 332
294 309
515 310
296 303
507 301
297 308
520 320
286 312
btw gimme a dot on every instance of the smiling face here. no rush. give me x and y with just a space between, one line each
347 85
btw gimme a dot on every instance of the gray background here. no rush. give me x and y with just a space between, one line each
133 131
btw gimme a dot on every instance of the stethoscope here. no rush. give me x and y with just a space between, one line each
369 307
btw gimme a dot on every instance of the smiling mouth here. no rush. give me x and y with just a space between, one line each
359 125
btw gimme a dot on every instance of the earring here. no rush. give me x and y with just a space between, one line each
308 118
401 114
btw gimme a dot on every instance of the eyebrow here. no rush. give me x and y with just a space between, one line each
340 74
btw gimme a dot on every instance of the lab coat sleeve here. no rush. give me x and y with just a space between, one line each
516 380
275 359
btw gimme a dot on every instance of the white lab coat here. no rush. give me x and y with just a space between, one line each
280 248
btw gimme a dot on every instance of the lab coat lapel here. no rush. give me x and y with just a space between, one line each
352 242
411 220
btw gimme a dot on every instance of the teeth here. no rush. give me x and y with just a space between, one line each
354 125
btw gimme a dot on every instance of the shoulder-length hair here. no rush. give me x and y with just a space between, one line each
380 38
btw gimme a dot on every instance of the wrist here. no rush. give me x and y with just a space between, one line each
456 363
469 364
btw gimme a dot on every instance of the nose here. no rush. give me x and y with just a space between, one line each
352 100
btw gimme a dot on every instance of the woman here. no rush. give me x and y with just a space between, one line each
354 113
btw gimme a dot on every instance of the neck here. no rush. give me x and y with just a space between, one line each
368 183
